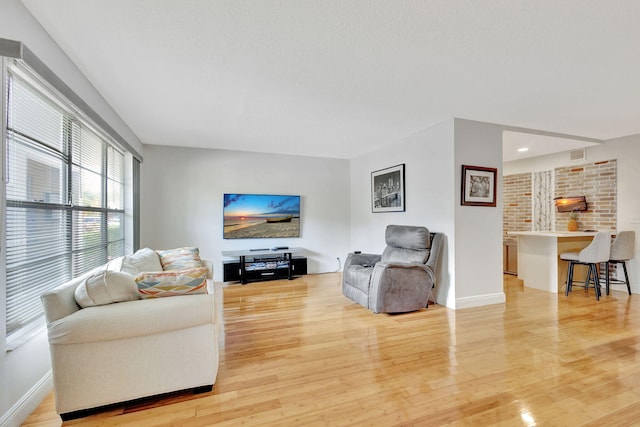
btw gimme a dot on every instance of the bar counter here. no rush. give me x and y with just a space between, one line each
539 263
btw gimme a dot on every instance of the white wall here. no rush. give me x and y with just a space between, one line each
182 191
471 270
627 153
429 187
25 372
16 23
478 239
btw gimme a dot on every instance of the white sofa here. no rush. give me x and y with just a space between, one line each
118 352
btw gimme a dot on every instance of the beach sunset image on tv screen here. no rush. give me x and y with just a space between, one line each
253 216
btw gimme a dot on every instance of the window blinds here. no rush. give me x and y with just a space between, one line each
64 197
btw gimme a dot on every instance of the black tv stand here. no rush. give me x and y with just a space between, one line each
263 264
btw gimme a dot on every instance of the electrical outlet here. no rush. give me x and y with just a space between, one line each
635 220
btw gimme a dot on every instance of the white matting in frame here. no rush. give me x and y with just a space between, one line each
478 186
387 189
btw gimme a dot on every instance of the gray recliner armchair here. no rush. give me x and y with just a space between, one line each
402 278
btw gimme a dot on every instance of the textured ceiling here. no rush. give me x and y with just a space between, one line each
338 78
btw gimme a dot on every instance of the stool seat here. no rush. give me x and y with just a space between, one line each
596 252
570 256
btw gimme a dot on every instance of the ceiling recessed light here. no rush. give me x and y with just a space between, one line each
522 150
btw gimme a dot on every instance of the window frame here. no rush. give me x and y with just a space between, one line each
13 68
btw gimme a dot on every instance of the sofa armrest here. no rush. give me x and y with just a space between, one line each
130 319
60 301
207 263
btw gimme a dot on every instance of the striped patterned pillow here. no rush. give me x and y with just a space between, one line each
180 258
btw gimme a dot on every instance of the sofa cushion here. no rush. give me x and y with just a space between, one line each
172 283
180 258
144 259
106 287
132 319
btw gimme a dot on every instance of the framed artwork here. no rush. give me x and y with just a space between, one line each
478 186
387 189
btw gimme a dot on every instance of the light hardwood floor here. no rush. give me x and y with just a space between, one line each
299 353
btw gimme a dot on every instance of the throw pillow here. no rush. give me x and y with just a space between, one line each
144 259
115 264
172 283
106 287
180 258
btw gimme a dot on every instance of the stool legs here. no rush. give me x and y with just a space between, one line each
567 288
624 270
592 276
596 280
626 277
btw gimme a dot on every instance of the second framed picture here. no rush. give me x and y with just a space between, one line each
387 189
478 186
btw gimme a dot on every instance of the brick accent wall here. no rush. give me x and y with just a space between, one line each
598 182
516 200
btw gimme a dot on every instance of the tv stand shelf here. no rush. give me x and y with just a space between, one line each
263 264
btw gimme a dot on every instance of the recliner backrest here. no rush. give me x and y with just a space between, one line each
406 243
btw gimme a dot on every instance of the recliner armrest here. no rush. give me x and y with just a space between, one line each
437 245
407 265
365 260
398 264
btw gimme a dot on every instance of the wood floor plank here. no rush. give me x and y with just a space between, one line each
299 353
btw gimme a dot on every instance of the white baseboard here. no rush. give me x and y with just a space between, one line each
28 403
480 300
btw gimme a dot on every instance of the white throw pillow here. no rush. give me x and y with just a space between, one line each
115 264
106 287
144 259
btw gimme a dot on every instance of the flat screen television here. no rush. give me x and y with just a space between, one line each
571 204
258 216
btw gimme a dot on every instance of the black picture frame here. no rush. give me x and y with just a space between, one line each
478 186
388 189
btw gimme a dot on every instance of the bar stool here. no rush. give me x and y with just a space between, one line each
622 250
598 251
